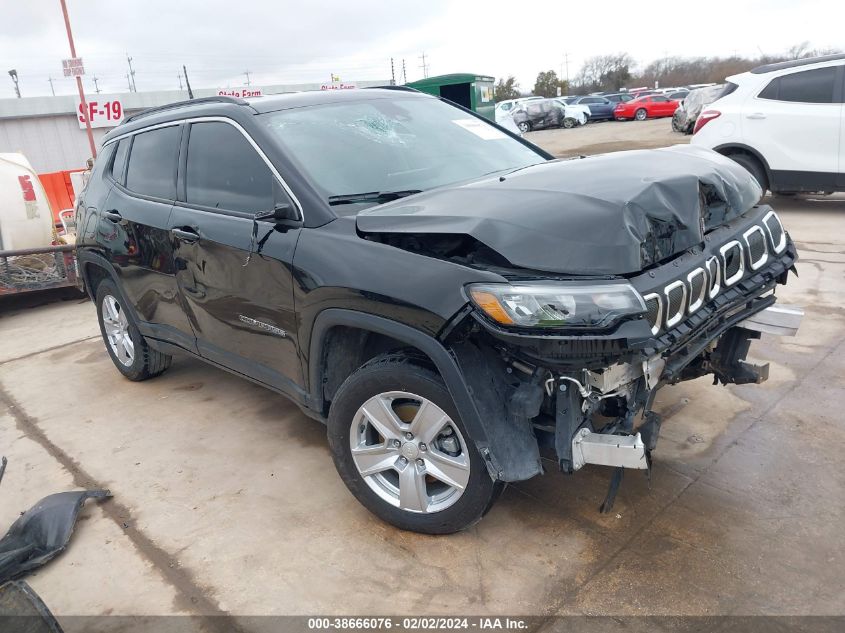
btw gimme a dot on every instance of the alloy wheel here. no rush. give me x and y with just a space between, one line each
116 326
409 452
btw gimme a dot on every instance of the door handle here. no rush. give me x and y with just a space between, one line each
186 235
113 215
756 115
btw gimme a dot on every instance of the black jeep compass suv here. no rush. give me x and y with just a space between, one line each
448 299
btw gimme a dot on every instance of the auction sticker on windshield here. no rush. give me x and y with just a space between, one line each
480 129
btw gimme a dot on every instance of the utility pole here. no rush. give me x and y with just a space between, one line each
14 75
179 77
96 85
392 73
82 100
424 66
187 82
53 90
128 81
247 77
132 87
404 75
566 64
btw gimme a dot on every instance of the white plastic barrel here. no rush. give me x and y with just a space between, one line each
26 220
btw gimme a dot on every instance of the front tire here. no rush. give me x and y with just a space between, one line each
569 123
525 126
641 114
403 451
128 349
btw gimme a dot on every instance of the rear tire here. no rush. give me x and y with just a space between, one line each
525 126
372 416
569 123
754 167
128 349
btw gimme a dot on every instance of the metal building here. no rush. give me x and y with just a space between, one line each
46 129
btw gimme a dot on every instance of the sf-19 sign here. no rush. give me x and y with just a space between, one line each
101 113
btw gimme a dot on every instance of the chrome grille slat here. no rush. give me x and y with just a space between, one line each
676 299
697 281
775 230
654 311
755 240
714 270
733 267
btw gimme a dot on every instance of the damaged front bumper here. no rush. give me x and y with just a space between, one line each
589 395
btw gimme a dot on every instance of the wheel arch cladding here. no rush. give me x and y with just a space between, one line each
509 449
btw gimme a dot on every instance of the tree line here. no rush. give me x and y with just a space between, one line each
617 71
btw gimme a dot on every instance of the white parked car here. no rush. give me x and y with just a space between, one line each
783 122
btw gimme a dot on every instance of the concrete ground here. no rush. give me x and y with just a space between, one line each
226 501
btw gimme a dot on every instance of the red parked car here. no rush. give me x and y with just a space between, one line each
643 108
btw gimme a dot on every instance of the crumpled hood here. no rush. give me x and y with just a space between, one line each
608 214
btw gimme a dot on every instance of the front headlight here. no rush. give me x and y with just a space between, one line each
557 304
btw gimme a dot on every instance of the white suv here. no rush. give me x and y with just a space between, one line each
784 122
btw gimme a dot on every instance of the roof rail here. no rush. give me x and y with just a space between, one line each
389 87
795 63
179 104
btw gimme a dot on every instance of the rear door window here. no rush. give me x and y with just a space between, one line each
809 86
118 165
152 163
225 172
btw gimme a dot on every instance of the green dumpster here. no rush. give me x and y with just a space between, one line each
469 90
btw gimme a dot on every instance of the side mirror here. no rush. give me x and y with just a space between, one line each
281 213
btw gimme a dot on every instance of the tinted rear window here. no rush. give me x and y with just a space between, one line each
152 163
225 172
810 86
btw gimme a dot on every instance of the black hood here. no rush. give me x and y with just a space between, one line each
610 214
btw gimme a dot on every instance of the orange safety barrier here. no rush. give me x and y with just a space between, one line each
59 190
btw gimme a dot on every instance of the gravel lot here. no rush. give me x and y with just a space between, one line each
226 501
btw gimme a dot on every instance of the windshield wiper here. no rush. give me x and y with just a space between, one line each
371 196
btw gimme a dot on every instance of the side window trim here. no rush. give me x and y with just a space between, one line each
259 151
838 89
138 194
180 183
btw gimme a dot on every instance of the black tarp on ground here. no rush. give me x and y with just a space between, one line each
41 532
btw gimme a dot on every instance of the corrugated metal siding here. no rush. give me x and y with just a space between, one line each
51 143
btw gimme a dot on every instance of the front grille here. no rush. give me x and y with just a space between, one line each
667 306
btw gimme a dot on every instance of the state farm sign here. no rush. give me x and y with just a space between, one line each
104 112
240 93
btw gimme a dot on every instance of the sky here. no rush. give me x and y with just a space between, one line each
284 42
